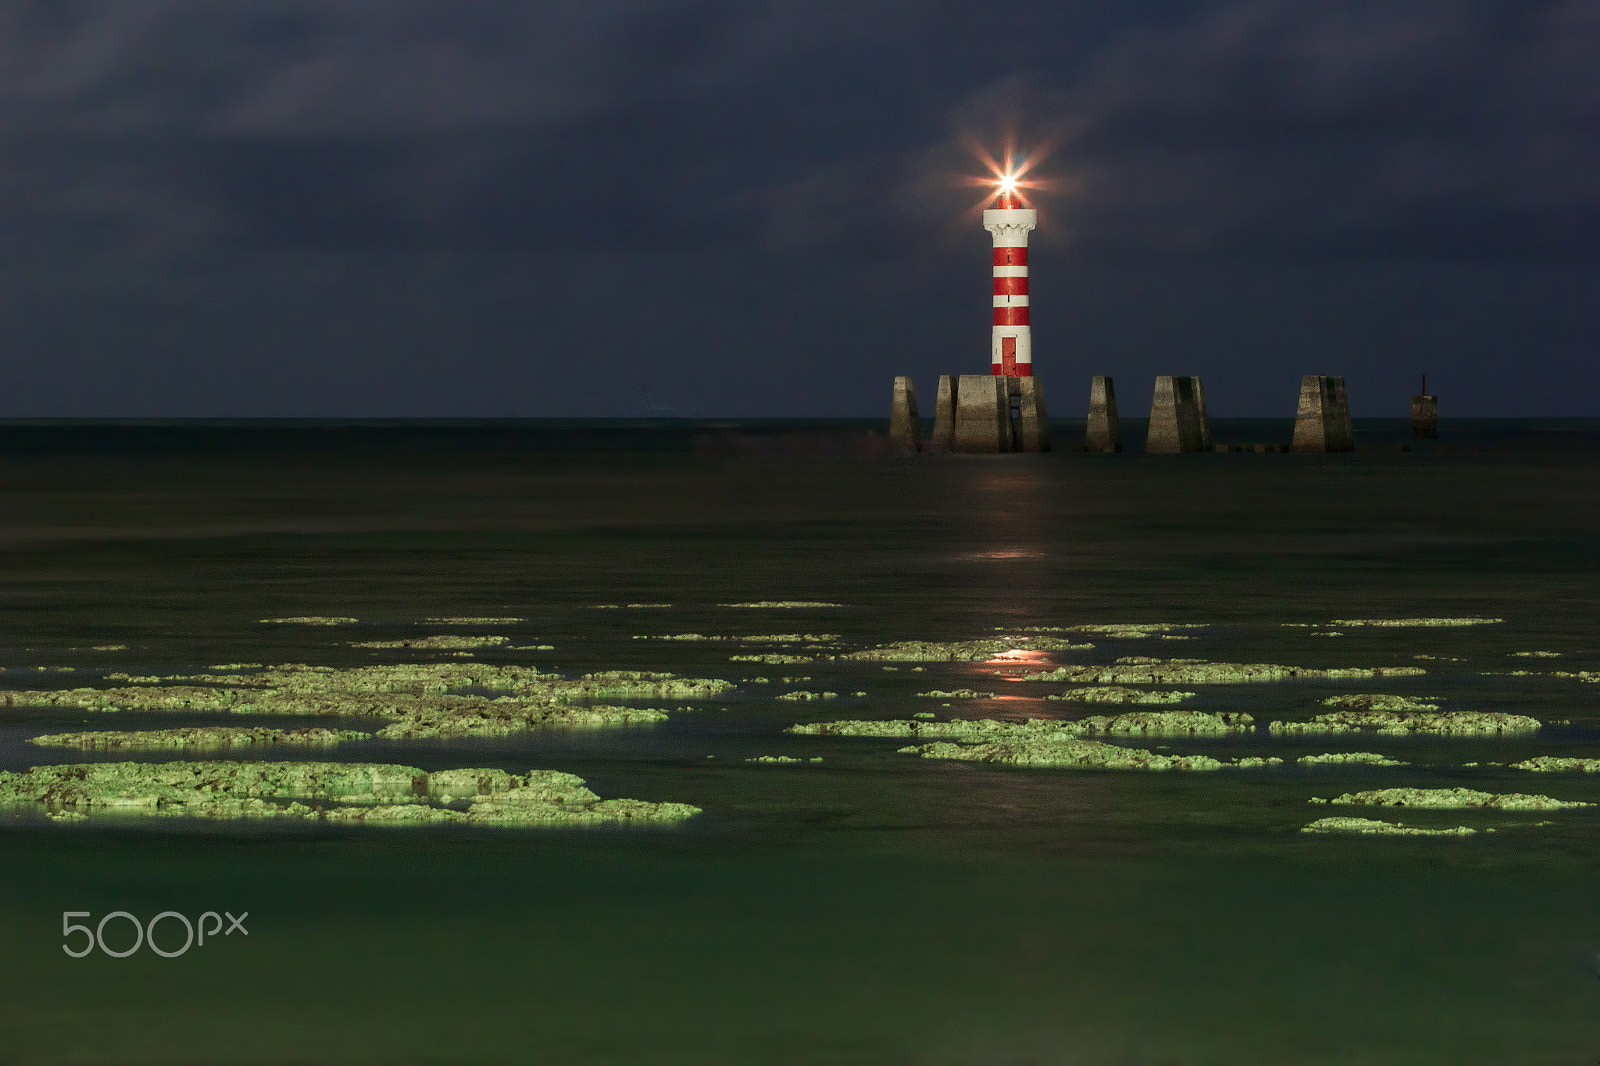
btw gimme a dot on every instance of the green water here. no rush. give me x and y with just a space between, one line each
875 907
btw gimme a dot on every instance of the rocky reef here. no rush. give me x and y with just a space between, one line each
1075 752
1142 670
1133 723
1419 622
415 697
448 641
1373 826
1443 723
1367 758
1451 799
333 792
955 651
198 737
1119 694
1556 764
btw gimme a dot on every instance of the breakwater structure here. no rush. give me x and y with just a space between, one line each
1424 414
1003 410
1322 422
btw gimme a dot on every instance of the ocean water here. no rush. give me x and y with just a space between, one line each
873 908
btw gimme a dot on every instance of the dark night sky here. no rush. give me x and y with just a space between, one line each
630 207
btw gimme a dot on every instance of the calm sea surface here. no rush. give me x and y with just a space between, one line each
874 908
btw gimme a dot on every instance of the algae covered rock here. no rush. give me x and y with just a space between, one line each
434 643
1373 826
1118 694
954 651
1443 723
335 792
1137 723
1374 701
802 694
311 620
1452 799
783 605
1556 764
1350 757
957 694
1140 670
415 697
476 621
202 737
1074 752
1415 622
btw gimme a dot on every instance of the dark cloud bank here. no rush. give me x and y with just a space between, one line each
627 207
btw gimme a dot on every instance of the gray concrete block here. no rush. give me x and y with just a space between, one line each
1206 443
1105 431
1033 424
944 415
1424 417
905 425
1322 421
983 414
1174 417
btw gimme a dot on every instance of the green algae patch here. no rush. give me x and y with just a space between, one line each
1420 622
772 659
1141 670
1442 723
109 647
1375 701
1367 758
954 651
1118 694
1136 723
201 737
782 605
782 759
957 694
434 643
1548 764
1536 654
310 620
801 694
1076 753
417 698
333 792
461 621
1123 631
755 638
1372 826
1451 799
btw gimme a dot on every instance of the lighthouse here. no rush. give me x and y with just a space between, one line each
1003 410
1011 340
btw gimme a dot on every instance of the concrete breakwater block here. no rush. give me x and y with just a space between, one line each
1033 424
1322 423
944 415
1177 421
905 425
1424 417
983 414
1104 432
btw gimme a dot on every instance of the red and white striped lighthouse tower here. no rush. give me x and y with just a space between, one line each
1011 343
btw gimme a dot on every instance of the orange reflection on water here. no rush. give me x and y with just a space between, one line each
1006 553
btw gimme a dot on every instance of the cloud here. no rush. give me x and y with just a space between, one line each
1430 127
1453 128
